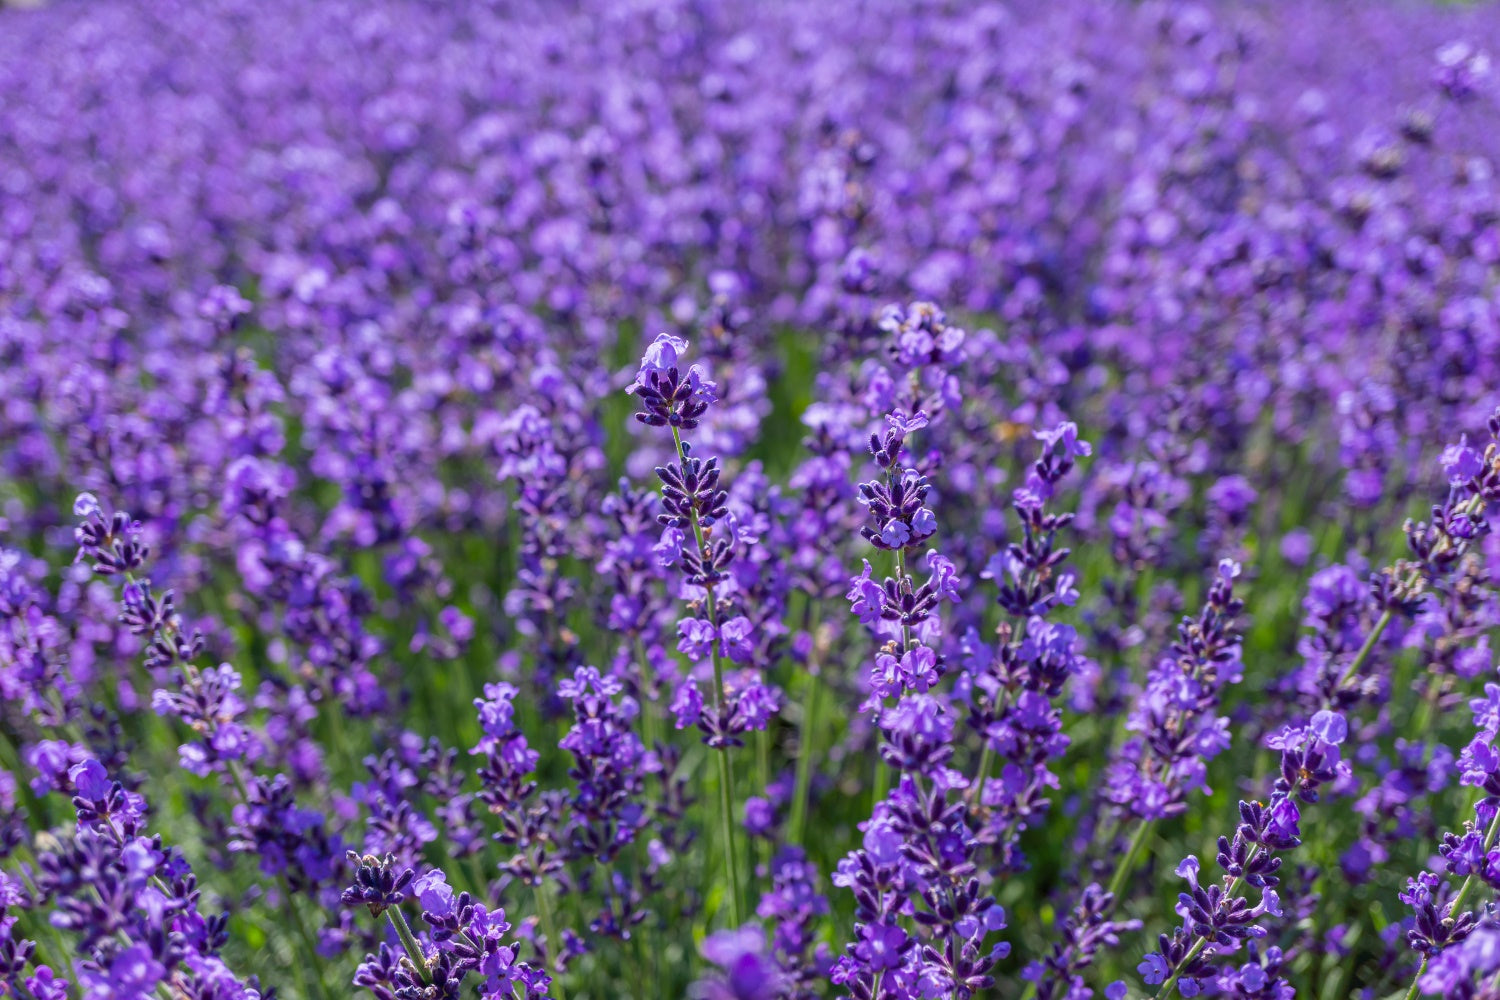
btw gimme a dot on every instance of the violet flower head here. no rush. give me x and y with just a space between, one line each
379 883
670 395
111 544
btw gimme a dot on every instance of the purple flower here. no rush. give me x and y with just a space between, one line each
1232 496
687 705
379 883
1461 463
760 816
882 947
736 639
696 637
866 597
668 395
45 985
1297 546
51 760
661 356
747 973
1153 969
433 893
1329 727
131 975
1064 439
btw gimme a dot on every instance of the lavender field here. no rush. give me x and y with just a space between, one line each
777 500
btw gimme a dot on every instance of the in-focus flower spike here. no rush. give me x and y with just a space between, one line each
1442 922
378 883
923 918
1218 916
205 701
694 505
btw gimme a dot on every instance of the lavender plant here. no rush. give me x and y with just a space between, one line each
1050 556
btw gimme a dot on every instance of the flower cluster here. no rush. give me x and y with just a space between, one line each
131 900
1217 917
462 938
1176 731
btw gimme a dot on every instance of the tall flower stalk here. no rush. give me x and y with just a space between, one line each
923 918
694 506
1174 726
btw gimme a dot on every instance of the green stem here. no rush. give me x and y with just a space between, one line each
803 787
976 792
554 943
882 771
650 722
1126 867
763 758
726 774
1411 994
408 941
726 816
308 945
1364 651
763 783
239 784
1425 711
